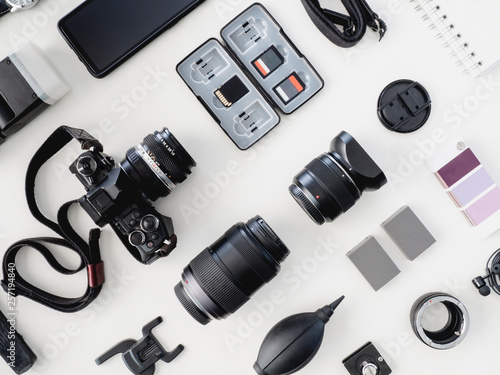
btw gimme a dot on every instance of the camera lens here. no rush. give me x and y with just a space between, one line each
226 274
332 183
158 164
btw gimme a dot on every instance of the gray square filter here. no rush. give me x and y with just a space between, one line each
373 262
408 232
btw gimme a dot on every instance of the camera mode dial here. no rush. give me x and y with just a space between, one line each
86 166
149 223
137 238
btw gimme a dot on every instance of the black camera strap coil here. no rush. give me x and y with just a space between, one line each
89 253
354 25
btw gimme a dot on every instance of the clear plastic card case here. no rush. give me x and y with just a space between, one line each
227 93
261 45
259 70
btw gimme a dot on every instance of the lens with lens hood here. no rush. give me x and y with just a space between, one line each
225 275
158 164
332 183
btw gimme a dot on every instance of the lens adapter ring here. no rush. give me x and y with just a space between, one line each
455 329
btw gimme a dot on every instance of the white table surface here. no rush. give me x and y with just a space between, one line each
317 270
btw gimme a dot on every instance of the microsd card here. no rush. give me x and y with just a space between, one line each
268 62
289 88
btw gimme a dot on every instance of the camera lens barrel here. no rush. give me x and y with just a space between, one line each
455 329
324 190
158 164
332 183
225 275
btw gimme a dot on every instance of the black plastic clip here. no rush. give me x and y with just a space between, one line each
140 356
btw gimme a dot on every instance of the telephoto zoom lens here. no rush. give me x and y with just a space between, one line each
226 274
332 183
158 164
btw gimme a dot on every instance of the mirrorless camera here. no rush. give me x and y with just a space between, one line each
120 194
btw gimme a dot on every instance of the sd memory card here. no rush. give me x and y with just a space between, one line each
289 88
268 61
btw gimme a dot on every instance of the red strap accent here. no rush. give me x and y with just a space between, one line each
96 274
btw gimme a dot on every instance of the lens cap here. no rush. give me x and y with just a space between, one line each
404 106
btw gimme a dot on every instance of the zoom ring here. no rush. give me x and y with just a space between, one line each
216 284
260 267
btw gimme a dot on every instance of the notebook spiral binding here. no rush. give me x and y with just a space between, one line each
454 39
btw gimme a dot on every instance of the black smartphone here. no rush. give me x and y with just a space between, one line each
105 33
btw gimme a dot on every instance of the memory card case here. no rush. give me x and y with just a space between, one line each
242 83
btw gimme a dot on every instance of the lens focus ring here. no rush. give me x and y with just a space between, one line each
158 164
333 182
216 284
164 159
224 276
256 262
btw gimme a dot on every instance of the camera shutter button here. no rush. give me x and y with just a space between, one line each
149 223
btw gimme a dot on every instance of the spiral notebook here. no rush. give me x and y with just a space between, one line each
470 28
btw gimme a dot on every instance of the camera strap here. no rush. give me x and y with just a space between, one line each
89 253
353 25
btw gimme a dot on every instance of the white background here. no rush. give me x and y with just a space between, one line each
317 271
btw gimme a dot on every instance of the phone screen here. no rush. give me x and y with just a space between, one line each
106 32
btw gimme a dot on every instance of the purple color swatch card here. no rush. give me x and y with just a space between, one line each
468 184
